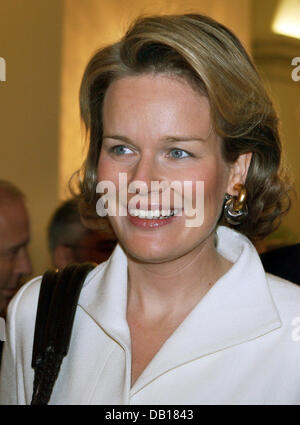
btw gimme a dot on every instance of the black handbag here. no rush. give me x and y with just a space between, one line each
57 305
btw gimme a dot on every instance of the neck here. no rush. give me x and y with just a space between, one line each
165 289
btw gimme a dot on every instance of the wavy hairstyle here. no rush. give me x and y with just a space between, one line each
211 59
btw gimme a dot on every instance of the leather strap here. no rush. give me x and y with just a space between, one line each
57 305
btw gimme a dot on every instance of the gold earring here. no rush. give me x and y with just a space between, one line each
235 208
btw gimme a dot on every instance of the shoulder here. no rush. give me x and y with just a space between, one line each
23 307
283 289
21 316
286 296
24 303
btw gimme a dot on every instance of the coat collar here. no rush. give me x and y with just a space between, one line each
238 308
104 297
2 329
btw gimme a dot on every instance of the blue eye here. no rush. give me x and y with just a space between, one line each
178 154
121 150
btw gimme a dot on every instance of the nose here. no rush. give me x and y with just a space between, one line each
23 265
145 170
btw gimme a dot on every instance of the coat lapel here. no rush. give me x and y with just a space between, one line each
104 300
238 308
104 297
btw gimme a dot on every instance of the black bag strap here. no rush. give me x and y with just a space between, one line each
57 305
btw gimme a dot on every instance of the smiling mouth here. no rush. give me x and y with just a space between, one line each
152 214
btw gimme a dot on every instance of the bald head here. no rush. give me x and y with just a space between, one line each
9 191
14 238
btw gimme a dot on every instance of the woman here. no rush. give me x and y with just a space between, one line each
182 312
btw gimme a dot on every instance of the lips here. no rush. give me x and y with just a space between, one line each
152 218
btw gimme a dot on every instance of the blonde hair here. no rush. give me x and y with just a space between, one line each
211 59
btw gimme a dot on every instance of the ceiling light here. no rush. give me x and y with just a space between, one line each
287 18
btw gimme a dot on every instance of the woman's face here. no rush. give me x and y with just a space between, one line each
157 128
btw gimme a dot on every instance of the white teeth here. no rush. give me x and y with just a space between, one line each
150 214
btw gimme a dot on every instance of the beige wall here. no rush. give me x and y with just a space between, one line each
30 41
273 55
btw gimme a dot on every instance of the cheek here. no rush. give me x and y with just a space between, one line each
109 170
215 183
106 169
5 271
101 168
214 176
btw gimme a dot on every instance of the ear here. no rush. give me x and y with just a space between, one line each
62 256
238 172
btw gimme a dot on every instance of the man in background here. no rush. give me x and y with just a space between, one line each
15 263
70 241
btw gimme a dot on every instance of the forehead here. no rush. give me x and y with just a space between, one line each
169 101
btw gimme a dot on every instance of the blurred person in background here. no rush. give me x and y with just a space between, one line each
69 241
15 262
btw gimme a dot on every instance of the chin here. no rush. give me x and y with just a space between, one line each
149 253
155 253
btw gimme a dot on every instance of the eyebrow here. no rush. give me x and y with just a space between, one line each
171 139
116 137
185 139
19 246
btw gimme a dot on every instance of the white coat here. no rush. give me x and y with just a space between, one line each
239 345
